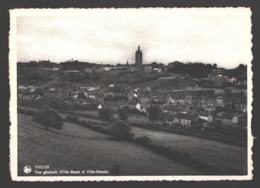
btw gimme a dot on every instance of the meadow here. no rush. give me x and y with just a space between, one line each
223 155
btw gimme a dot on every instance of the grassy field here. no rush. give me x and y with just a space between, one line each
213 152
78 148
131 117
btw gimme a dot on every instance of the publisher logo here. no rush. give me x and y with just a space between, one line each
27 169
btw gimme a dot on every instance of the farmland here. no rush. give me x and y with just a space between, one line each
78 148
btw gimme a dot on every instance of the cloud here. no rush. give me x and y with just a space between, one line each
219 36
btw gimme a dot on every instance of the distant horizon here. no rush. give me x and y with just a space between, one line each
74 60
219 36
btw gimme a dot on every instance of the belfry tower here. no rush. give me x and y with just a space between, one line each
138 57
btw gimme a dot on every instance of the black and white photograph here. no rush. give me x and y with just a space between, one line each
130 94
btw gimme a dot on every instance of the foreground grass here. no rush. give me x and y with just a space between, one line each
210 156
79 148
224 156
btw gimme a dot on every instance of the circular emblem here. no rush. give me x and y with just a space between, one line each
27 169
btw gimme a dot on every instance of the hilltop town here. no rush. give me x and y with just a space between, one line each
187 94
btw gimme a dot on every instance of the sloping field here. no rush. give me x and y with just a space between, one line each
79 148
213 152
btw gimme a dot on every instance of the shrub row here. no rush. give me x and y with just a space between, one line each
89 125
199 134
72 118
118 130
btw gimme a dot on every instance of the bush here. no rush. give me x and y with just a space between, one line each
72 118
27 112
49 118
144 140
121 131
137 112
122 114
105 114
154 113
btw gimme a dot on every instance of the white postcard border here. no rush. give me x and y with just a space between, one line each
14 13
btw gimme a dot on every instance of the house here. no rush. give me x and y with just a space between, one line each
140 108
188 99
71 71
220 101
148 69
145 101
109 94
89 70
227 118
208 104
22 87
169 100
131 104
55 69
75 96
30 97
203 115
236 101
210 118
218 78
186 120
157 70
84 103
171 120
178 98
158 99
99 106
107 68
241 82
232 80
134 69
216 74
170 109
93 88
83 87
135 93
99 70
92 96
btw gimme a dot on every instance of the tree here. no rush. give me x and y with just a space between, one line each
105 114
154 113
54 102
219 109
122 114
39 92
49 118
121 131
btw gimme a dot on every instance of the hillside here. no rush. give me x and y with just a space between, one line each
79 148
129 79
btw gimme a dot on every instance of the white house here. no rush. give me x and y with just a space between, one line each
55 69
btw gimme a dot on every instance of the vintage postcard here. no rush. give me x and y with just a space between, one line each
142 94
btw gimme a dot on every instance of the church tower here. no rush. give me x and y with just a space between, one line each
138 57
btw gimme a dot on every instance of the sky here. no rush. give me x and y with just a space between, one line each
221 36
